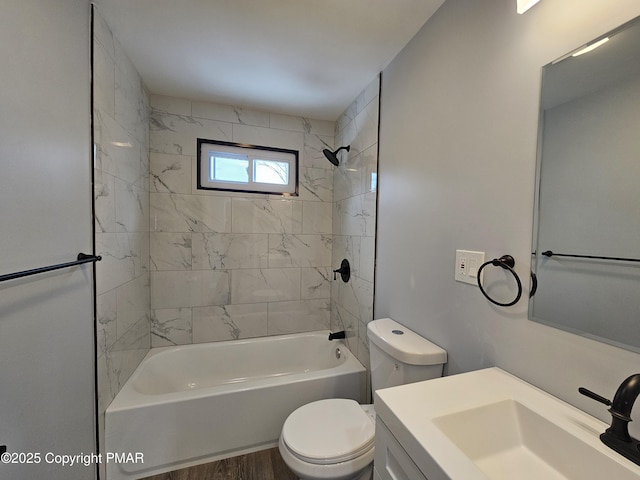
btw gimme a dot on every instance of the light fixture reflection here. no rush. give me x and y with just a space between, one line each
593 46
524 5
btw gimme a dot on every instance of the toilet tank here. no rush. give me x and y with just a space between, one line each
399 355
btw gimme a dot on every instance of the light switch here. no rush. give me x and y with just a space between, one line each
467 264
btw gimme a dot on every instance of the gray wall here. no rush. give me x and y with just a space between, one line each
46 327
458 134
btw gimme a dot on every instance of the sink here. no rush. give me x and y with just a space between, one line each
489 424
508 440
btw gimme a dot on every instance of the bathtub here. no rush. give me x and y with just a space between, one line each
193 404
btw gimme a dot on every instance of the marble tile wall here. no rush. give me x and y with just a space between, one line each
121 189
354 218
228 265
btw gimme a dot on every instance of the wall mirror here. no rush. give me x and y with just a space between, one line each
586 232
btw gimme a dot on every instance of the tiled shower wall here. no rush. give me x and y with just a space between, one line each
121 189
182 265
227 265
354 218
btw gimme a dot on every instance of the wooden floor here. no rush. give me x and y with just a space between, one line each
262 465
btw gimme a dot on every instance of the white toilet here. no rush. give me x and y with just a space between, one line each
334 439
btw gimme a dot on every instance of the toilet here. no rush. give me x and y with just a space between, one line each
333 439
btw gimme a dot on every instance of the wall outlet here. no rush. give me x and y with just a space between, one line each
467 264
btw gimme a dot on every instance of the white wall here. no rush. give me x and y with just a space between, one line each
46 321
458 134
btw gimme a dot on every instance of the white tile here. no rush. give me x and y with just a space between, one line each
229 322
298 316
299 250
104 86
132 303
263 215
313 147
189 288
286 122
171 173
265 285
132 207
347 116
369 165
347 178
230 114
118 265
130 105
171 327
356 297
268 137
106 320
367 128
170 251
316 184
317 217
105 202
341 319
316 283
176 106
369 94
102 33
117 153
355 215
367 258
190 213
213 251
177 134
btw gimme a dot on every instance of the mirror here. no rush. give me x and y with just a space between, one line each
586 232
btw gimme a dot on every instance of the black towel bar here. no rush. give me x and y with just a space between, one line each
82 258
549 253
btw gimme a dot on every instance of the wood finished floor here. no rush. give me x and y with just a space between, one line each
262 465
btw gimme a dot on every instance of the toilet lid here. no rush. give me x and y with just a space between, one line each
328 431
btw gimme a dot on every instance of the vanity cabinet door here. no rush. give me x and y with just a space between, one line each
391 462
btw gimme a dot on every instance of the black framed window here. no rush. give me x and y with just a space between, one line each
247 168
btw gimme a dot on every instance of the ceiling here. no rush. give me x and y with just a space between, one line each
308 58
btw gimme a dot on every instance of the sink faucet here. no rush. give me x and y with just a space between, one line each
617 435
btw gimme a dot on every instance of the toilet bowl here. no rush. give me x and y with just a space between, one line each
329 439
333 439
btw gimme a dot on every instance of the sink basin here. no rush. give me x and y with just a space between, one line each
489 424
508 440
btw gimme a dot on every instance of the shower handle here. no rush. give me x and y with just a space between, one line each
344 271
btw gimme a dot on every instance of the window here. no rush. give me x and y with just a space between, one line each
247 168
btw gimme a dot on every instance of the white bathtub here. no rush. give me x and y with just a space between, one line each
198 403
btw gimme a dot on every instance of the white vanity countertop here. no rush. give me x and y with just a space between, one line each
414 414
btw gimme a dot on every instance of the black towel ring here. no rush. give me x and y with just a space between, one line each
534 284
507 262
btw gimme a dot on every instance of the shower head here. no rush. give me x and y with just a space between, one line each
332 156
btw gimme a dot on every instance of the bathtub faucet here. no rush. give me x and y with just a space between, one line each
337 335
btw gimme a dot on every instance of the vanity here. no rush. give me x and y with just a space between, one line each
488 425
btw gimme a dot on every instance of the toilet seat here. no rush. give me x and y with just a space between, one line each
329 431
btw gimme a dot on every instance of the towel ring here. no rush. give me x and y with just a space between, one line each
507 262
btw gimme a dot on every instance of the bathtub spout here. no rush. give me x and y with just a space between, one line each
337 335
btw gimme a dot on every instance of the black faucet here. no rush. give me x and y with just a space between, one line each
617 435
337 335
344 271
